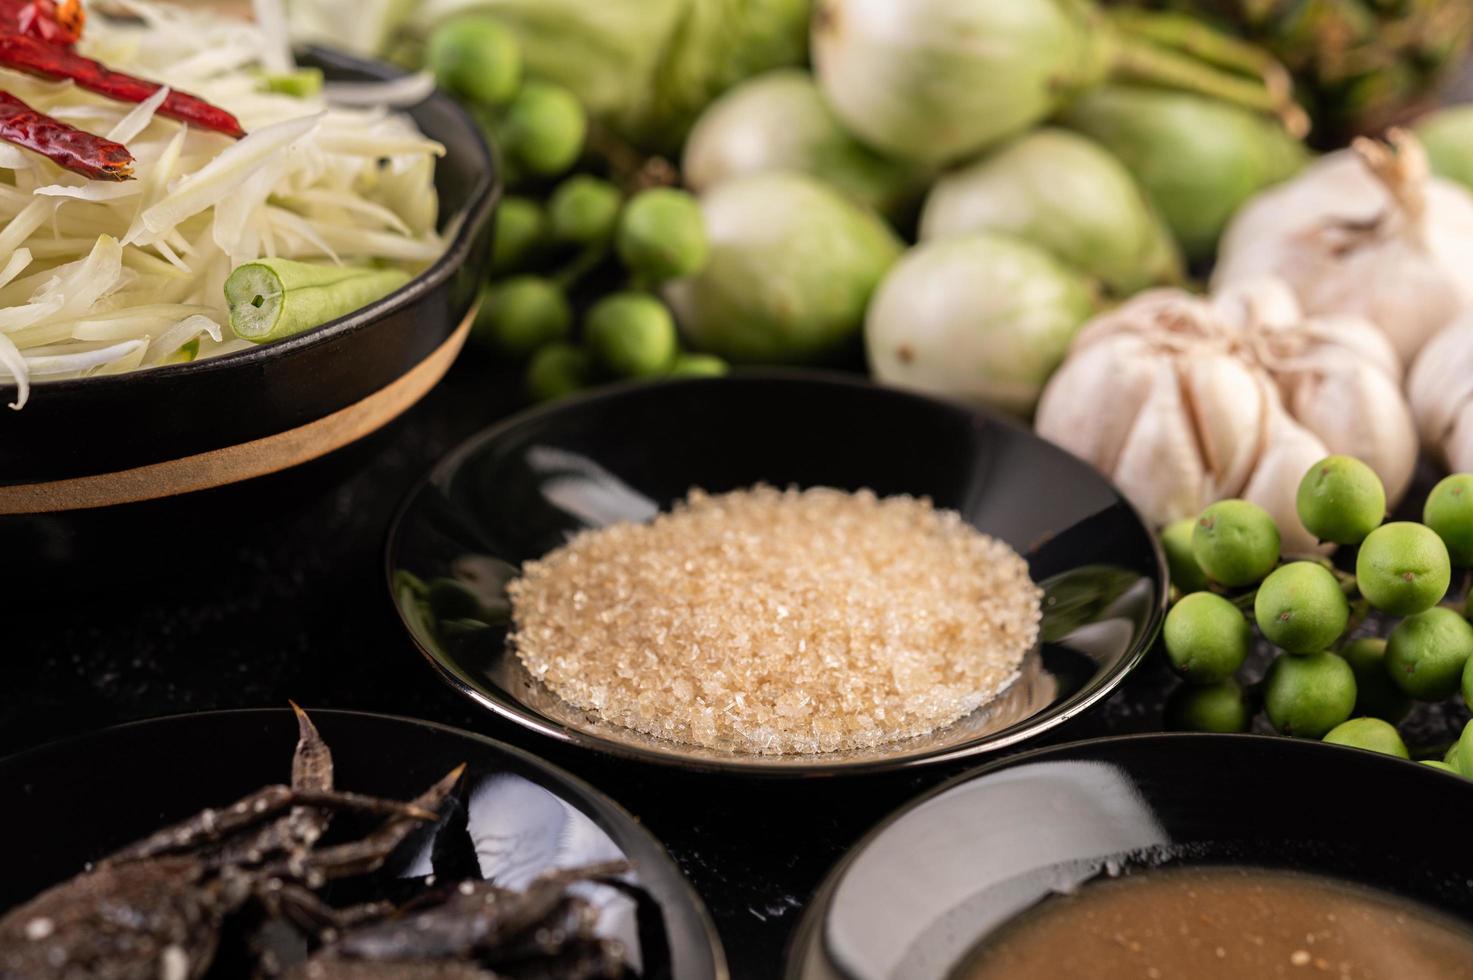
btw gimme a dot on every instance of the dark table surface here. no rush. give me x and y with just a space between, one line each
234 602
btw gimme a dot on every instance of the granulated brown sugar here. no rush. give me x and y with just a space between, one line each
771 621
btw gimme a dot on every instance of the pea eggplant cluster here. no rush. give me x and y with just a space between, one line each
1326 681
591 219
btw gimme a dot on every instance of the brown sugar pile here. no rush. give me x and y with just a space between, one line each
769 621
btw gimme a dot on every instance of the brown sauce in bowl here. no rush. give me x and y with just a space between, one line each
1225 923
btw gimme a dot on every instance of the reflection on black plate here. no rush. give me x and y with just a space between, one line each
916 895
76 801
520 489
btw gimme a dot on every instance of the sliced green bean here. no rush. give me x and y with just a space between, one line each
274 298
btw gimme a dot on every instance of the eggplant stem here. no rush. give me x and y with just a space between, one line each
632 170
1192 36
1246 600
580 265
1359 610
1143 60
1345 580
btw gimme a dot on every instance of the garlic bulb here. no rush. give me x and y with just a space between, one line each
1440 389
1365 232
1183 400
1337 375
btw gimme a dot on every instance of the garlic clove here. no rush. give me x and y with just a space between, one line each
1171 318
1356 336
1458 448
1396 286
1090 404
1450 224
1440 382
1291 451
1264 302
1160 468
1224 401
1356 410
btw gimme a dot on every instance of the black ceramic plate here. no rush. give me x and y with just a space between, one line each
115 438
520 489
78 800
926 885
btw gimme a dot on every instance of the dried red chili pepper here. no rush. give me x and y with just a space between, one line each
77 151
34 57
54 23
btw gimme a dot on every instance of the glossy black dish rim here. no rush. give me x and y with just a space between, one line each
584 792
817 905
1099 687
482 198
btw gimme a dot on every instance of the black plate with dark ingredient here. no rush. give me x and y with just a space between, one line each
73 802
916 894
522 488
154 433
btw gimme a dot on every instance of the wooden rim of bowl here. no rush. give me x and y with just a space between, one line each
246 460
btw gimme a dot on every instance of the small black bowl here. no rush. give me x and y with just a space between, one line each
924 887
520 489
512 816
100 441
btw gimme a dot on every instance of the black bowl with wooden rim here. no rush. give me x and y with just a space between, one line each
116 439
